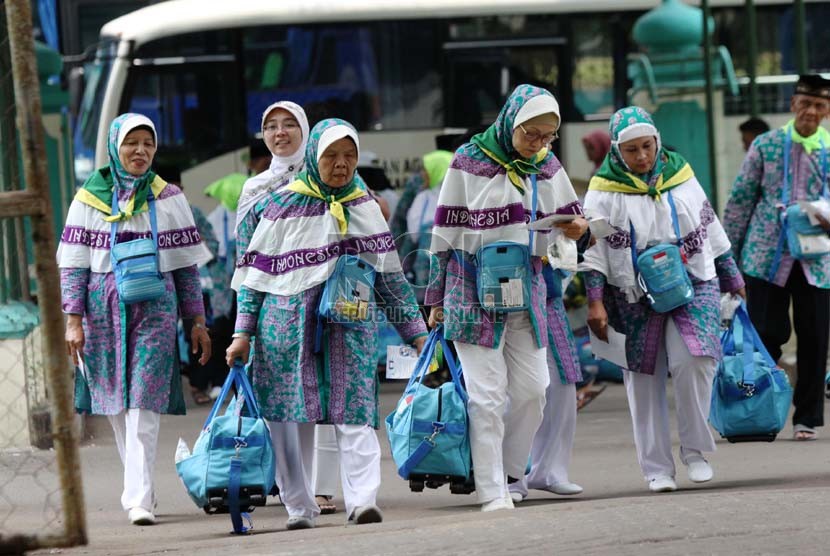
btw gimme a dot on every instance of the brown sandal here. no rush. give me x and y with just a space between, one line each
585 395
325 503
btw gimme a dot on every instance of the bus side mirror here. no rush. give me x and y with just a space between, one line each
76 89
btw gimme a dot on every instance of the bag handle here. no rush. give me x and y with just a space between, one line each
455 369
238 376
751 342
533 204
425 358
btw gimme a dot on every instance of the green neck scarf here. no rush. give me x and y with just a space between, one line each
517 168
612 173
100 185
811 143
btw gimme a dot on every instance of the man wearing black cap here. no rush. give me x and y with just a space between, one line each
782 167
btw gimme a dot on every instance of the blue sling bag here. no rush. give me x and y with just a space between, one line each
135 263
504 273
661 272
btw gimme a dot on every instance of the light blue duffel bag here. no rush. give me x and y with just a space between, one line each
428 431
232 466
751 396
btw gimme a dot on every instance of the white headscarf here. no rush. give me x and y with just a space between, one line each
282 169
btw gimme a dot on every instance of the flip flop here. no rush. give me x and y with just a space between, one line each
325 504
585 396
200 397
804 433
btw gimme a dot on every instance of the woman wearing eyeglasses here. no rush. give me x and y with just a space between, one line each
486 281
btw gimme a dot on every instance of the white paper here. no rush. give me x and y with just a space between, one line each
812 208
613 350
548 221
400 362
600 227
81 367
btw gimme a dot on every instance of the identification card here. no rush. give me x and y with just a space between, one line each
400 362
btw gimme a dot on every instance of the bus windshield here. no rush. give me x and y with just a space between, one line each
96 74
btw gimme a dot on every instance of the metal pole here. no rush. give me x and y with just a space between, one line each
710 108
752 55
800 38
30 127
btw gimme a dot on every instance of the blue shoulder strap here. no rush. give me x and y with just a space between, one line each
533 204
153 225
785 199
675 225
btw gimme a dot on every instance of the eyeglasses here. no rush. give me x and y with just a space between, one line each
533 136
285 126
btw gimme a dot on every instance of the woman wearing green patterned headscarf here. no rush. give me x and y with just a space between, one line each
307 369
635 190
495 184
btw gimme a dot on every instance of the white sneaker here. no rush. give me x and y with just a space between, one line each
503 503
214 392
366 514
297 522
699 470
564 489
140 516
516 497
662 484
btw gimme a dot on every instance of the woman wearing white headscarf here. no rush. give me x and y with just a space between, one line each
285 133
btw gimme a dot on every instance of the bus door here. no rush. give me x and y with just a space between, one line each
481 74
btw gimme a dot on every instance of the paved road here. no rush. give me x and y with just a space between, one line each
765 499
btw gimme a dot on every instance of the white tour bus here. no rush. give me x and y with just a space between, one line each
401 71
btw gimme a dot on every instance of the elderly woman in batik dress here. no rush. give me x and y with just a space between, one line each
634 188
305 228
128 366
487 196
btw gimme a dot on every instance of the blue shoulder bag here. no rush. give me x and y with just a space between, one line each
349 293
804 240
751 395
504 273
661 271
232 466
135 263
428 431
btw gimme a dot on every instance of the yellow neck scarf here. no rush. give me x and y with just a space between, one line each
335 206
640 187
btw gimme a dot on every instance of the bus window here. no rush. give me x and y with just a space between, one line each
194 109
96 74
376 75
593 66
481 74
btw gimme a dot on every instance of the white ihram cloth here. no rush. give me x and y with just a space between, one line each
704 237
294 252
326 461
85 241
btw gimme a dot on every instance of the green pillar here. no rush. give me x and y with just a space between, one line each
710 102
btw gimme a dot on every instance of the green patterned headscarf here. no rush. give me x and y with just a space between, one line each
310 183
115 177
670 169
497 140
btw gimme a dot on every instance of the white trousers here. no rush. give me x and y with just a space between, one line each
326 461
136 436
359 452
550 455
294 452
515 371
692 377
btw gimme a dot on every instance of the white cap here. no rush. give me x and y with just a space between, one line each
536 106
130 124
335 133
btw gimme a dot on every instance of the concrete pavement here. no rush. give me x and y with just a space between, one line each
765 499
